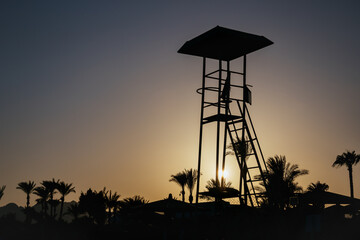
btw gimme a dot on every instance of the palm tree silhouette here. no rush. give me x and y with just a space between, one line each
349 159
242 149
43 194
181 179
131 202
27 188
191 178
2 189
112 202
64 189
318 187
51 186
218 191
280 181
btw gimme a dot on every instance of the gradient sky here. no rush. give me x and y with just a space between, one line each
94 92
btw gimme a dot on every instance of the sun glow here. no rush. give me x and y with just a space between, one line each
222 173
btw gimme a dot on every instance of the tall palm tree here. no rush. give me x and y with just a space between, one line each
2 189
181 179
317 187
64 189
51 186
27 188
349 159
191 178
43 194
280 181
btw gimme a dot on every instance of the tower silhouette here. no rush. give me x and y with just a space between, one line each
225 96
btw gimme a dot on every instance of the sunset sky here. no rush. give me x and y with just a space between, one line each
94 92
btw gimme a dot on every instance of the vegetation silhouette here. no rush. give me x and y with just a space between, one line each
243 149
280 182
64 189
93 203
112 203
27 188
219 190
51 187
131 202
43 196
181 179
318 188
191 178
349 159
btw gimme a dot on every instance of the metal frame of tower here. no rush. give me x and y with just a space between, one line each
230 112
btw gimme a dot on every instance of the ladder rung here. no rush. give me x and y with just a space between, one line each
237 129
237 121
255 180
253 167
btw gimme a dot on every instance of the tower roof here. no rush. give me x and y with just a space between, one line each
224 44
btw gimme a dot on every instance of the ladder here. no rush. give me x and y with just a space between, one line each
249 156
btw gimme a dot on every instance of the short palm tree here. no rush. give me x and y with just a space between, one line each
191 178
218 191
64 189
181 179
317 187
2 189
349 159
131 202
27 188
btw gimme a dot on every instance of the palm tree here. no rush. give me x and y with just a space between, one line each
218 190
131 202
64 189
27 188
112 203
280 181
181 179
242 149
191 178
51 186
2 189
349 159
43 194
318 187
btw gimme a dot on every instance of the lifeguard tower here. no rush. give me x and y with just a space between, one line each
225 96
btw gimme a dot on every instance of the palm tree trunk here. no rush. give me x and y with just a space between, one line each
351 182
61 207
27 200
183 194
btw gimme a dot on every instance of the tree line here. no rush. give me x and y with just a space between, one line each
97 207
280 180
